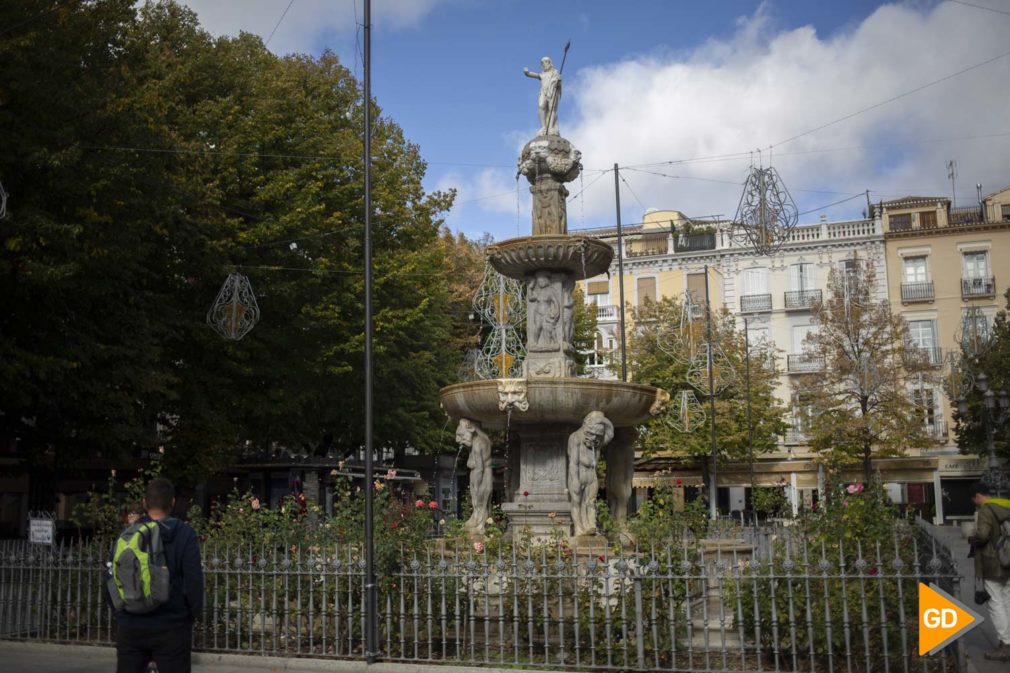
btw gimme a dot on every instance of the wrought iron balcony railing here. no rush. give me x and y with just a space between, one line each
919 291
694 242
801 299
923 355
984 286
755 303
801 363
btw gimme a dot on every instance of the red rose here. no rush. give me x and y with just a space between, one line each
394 525
526 494
432 505
680 482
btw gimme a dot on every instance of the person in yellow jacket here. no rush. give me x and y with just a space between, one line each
992 512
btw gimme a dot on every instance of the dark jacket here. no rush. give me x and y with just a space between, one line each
185 572
990 516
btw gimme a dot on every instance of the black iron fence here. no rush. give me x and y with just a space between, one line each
918 291
769 600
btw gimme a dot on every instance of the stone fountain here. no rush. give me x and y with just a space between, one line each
557 424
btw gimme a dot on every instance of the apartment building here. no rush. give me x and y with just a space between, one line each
948 266
668 253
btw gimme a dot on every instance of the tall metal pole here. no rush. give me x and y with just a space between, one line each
713 489
750 425
371 599
620 272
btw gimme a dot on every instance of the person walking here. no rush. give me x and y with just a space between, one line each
992 512
162 630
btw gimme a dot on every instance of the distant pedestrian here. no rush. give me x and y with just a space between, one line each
154 616
992 512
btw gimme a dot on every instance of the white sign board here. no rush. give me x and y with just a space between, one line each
40 531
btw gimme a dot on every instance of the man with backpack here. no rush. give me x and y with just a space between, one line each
991 547
155 584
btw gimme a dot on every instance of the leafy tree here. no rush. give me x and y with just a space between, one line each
659 351
994 361
584 330
146 161
861 403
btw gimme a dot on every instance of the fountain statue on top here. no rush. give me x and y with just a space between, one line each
558 423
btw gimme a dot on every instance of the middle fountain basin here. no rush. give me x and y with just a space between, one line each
554 400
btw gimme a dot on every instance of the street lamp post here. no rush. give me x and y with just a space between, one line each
997 412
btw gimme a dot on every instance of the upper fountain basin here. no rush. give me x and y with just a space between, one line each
560 400
583 257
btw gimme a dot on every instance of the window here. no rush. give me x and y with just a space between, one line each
696 286
915 269
848 268
922 333
802 412
646 289
800 333
901 222
1005 212
598 292
926 400
927 219
976 264
755 281
801 277
758 337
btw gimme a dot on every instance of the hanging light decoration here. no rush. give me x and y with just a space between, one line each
974 334
680 339
723 374
957 378
235 311
767 213
686 413
500 307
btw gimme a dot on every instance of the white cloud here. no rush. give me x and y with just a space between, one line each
491 190
308 22
765 86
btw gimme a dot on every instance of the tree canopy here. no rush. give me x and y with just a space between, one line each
994 362
146 160
661 350
861 401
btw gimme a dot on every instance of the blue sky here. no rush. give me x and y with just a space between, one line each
648 82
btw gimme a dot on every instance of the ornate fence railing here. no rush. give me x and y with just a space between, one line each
768 600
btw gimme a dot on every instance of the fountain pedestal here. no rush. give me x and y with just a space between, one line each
540 501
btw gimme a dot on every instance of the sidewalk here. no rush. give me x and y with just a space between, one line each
17 657
982 638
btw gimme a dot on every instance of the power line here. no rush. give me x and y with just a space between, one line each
592 182
278 24
893 98
835 203
628 185
988 9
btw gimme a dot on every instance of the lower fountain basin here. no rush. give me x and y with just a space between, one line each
560 400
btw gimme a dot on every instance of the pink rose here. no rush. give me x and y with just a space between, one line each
854 488
478 546
255 504
432 505
419 503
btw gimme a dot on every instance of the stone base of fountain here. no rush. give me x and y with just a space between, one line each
589 545
542 519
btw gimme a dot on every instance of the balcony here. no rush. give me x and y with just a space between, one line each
694 242
915 292
803 363
916 355
936 429
755 303
973 288
606 313
960 217
801 300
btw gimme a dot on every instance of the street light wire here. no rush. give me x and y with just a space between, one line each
988 9
278 24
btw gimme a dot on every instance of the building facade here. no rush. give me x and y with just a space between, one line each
667 254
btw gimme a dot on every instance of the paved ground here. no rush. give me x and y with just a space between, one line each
982 638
